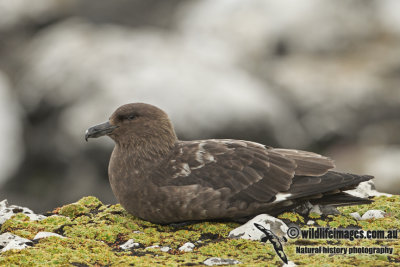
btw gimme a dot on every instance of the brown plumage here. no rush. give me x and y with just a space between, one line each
161 179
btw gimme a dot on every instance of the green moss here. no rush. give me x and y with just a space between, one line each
321 223
314 215
90 202
95 232
73 210
341 221
21 225
291 216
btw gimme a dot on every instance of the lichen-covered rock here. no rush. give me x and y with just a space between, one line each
7 211
95 234
10 241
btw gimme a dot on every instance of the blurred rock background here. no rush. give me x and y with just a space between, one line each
314 75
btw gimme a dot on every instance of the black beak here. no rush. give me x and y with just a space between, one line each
99 130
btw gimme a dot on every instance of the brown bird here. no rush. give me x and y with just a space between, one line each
161 179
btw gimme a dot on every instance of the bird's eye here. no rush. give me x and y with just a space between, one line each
132 117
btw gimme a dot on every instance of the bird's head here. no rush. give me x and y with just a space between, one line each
135 125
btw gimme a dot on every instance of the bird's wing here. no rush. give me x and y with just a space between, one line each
251 171
308 163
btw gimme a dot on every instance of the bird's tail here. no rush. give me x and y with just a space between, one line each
326 186
327 189
341 199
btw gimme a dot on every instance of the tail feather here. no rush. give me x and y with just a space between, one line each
306 186
341 199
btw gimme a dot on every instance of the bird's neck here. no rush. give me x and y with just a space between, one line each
146 151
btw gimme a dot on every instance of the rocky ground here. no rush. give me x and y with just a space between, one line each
90 233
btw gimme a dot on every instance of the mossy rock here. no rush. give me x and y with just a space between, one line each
95 231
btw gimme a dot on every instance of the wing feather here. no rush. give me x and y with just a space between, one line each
249 171
308 163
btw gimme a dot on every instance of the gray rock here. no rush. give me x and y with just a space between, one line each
249 231
3 204
129 244
187 247
316 209
373 214
355 215
10 241
7 211
366 189
6 238
219 261
165 249
310 222
41 235
328 210
15 244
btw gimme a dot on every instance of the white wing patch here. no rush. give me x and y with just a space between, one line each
203 157
282 196
183 171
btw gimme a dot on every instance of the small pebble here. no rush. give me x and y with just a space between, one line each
187 247
129 244
218 261
310 222
165 249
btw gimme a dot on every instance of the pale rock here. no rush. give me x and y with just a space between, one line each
7 211
10 241
373 214
365 190
356 215
219 261
129 244
316 209
41 235
187 247
165 249
249 231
